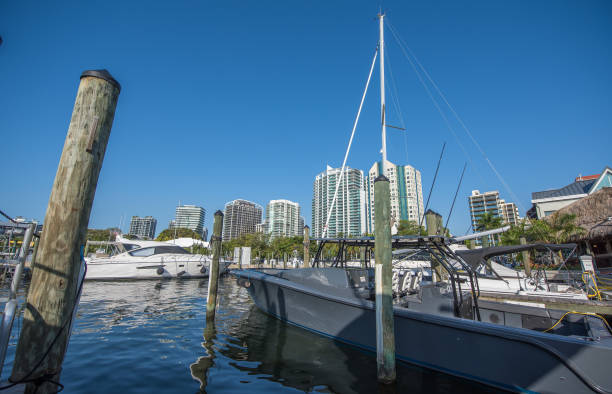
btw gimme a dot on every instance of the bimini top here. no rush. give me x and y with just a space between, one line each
474 257
397 241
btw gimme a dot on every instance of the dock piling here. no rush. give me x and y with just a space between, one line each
306 247
213 276
53 290
385 335
526 258
434 227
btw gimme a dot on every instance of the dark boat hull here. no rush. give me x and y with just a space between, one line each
505 357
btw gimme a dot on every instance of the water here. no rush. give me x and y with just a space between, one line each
151 336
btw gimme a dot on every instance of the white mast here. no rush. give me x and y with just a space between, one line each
381 47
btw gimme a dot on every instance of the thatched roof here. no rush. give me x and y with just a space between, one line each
593 213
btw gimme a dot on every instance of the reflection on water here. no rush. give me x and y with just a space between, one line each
151 336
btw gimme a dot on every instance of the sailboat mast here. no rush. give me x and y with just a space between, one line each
381 47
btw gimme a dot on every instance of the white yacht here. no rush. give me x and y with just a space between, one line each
493 278
135 259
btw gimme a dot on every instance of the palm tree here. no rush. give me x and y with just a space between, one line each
564 227
488 221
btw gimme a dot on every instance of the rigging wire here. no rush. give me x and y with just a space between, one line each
396 104
452 109
348 149
435 103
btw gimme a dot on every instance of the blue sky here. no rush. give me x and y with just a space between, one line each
245 99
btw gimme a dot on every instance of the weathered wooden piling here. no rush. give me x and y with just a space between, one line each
385 335
526 257
306 246
433 220
213 275
53 289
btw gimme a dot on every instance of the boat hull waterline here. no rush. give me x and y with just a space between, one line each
505 357
150 269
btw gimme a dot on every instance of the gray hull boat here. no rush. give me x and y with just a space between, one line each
434 331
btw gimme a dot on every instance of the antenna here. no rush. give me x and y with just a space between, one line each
454 198
432 184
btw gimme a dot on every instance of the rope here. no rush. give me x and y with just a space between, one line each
348 149
46 377
7 216
580 313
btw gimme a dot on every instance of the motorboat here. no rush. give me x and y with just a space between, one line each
444 326
493 278
136 259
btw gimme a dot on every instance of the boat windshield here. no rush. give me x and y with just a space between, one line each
129 247
145 252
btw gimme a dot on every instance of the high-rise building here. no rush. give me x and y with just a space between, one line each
481 203
406 193
283 219
143 227
189 216
241 217
510 212
348 217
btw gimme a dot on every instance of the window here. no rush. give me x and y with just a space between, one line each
170 249
144 252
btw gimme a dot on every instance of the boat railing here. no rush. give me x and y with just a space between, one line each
435 246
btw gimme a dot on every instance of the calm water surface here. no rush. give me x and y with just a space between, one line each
151 336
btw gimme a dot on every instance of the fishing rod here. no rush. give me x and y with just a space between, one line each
432 184
455 198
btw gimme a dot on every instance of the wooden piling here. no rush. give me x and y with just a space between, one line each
526 258
385 336
213 275
306 246
53 289
433 221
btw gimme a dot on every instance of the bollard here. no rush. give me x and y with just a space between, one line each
306 247
213 276
385 336
53 289
526 258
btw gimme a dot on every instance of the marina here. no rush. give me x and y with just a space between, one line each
143 332
380 290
